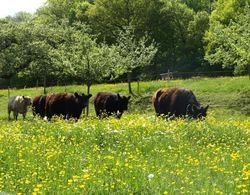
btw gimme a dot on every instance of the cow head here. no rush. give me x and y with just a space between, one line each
82 99
197 111
27 100
123 104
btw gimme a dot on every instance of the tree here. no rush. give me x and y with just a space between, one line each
171 34
90 61
14 50
167 22
108 17
20 17
199 5
43 43
56 11
194 41
228 42
132 53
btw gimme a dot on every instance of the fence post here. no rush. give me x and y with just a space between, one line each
8 92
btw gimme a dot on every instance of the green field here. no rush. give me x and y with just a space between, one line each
137 154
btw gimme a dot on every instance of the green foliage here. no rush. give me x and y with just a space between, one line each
166 22
195 46
43 43
228 40
89 61
173 42
199 5
108 17
133 53
20 17
80 41
14 50
57 10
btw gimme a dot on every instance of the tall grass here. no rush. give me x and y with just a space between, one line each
137 154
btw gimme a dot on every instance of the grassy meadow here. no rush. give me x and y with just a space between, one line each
139 154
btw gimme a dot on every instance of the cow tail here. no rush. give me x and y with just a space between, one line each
156 100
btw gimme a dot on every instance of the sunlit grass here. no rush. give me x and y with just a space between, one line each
137 154
224 93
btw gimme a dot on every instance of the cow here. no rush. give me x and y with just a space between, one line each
177 102
108 103
38 105
18 104
68 105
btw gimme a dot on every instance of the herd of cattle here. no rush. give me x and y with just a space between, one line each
169 102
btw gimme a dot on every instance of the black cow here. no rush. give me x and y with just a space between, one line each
178 102
68 105
38 105
108 103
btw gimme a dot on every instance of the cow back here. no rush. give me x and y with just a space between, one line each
63 104
106 101
173 101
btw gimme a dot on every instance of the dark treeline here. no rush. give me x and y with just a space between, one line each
91 41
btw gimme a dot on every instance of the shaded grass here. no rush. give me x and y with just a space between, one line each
229 94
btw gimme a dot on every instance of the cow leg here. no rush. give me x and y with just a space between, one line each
67 116
24 115
15 115
9 111
48 115
98 113
118 114
76 118
101 114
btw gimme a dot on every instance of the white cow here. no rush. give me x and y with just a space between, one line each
18 104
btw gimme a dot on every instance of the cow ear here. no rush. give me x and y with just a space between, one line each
90 95
128 98
194 108
23 97
118 95
206 107
76 94
189 108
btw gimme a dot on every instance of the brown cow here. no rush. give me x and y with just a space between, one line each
108 103
66 104
177 102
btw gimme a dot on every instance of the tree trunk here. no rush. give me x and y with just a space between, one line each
9 89
44 84
65 87
138 86
88 82
88 91
129 83
8 92
248 67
